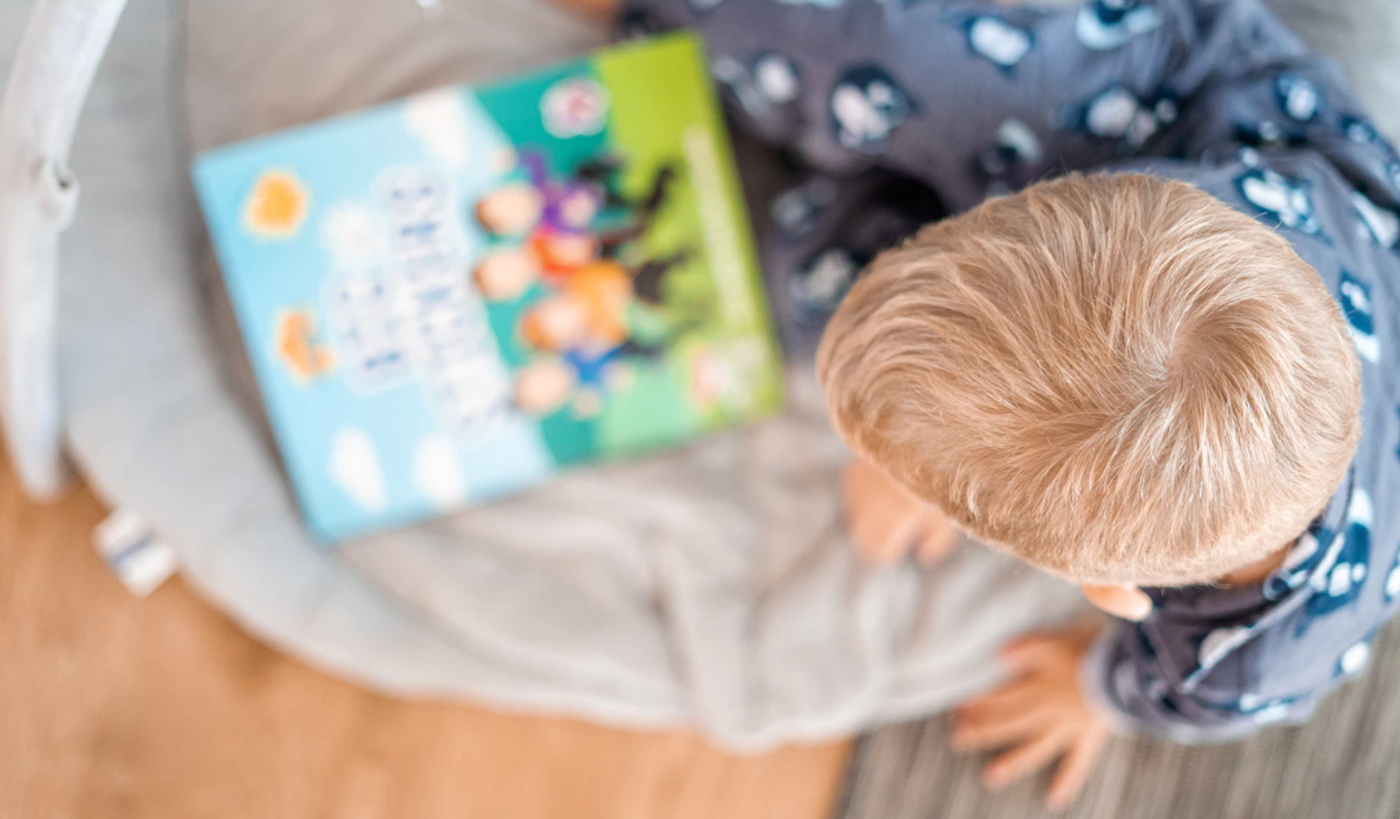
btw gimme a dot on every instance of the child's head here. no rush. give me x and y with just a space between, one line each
555 323
505 274
1116 378
510 210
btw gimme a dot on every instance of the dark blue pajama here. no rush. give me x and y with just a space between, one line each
902 110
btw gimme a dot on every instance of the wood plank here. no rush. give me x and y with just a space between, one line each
112 706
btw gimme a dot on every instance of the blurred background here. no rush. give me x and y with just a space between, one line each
115 705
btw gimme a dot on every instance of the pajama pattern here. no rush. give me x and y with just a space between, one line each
904 110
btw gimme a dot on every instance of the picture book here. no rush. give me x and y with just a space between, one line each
452 297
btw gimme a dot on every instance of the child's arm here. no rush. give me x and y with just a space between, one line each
886 521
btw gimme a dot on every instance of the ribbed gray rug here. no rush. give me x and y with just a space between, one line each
1345 764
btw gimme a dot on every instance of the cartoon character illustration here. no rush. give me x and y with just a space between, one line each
997 41
506 273
1286 201
569 223
1005 161
1118 113
559 253
1382 224
621 218
276 206
577 106
720 373
569 204
590 324
543 385
710 378
511 210
588 312
867 105
1107 24
567 235
299 347
1355 298
1298 97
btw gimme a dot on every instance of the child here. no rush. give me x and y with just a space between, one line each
1151 382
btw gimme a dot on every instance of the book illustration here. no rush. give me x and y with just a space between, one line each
300 348
569 237
450 298
277 205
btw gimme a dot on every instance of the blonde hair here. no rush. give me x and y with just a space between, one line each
1117 378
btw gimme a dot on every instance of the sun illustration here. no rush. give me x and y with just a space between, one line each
276 206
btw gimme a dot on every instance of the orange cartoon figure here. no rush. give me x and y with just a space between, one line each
276 206
588 327
589 312
304 356
562 253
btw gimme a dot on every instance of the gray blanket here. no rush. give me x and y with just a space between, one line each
722 594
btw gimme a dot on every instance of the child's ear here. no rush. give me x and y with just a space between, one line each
1127 602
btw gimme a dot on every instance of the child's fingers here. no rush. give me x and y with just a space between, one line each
1074 770
1032 652
1026 758
998 728
1017 695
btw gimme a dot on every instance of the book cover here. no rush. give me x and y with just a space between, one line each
452 297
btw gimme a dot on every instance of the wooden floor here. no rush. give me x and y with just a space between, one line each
112 706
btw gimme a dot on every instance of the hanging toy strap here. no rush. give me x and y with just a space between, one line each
49 81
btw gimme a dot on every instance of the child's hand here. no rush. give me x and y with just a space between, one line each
1042 714
886 521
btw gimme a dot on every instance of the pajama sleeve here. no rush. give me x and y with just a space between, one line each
974 99
1143 687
